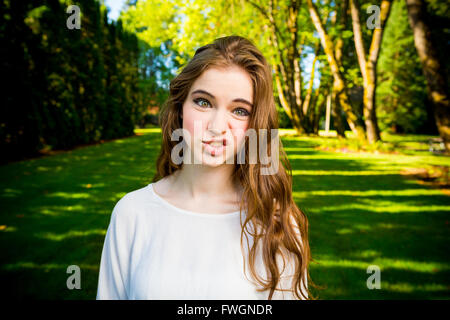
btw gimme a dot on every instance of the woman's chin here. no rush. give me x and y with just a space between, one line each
208 159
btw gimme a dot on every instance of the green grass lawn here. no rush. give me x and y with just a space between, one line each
362 212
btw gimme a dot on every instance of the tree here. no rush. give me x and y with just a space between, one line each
401 94
339 84
368 64
64 87
432 67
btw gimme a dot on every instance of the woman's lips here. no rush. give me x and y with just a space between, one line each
215 151
223 141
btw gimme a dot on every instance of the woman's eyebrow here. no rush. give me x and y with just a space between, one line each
212 97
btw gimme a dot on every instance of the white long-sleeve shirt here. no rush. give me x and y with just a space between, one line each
155 250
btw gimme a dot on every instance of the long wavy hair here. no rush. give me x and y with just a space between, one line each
281 227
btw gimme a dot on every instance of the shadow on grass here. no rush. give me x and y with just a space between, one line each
55 211
363 213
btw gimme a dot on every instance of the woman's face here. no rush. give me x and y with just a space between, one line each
219 103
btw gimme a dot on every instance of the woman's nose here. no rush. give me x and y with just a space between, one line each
218 123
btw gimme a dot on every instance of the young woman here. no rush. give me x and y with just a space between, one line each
182 236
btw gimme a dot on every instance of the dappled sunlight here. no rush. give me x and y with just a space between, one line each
385 264
71 234
117 196
355 228
289 150
366 254
11 193
414 265
361 212
50 212
45 266
61 210
93 185
5 228
316 156
368 193
147 130
287 132
342 172
67 195
78 207
385 207
409 288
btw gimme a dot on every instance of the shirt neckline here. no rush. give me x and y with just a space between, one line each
198 214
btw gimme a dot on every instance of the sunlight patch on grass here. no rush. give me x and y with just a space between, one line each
51 212
356 226
118 196
43 169
58 210
75 208
343 263
367 254
385 264
370 193
342 172
11 193
5 228
292 149
286 132
388 207
344 231
71 234
418 266
69 195
147 130
329 156
45 266
408 287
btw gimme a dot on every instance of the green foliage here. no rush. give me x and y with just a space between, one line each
401 92
283 119
64 87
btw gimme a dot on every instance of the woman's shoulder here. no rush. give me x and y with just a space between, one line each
132 203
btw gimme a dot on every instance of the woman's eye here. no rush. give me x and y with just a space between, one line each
205 103
199 100
243 112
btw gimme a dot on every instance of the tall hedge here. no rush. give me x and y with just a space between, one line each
64 87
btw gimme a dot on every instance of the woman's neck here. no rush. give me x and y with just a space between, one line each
201 182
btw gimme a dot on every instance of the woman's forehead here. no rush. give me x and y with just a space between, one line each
231 82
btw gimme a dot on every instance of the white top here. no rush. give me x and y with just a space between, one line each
155 250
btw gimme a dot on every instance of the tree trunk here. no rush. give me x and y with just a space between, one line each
287 69
339 85
307 101
317 107
432 68
368 67
285 104
336 112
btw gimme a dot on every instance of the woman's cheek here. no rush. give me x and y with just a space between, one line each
189 120
239 135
